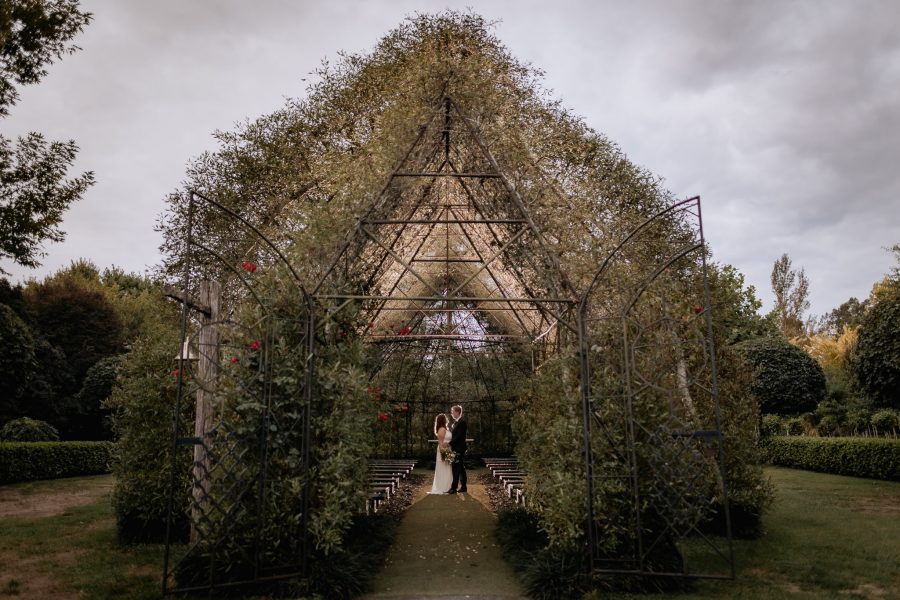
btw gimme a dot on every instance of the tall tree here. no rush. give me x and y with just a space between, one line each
791 289
848 314
34 191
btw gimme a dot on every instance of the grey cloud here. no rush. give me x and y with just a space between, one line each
783 115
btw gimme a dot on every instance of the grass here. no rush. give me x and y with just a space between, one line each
73 554
826 537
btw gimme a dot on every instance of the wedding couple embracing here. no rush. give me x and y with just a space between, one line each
449 466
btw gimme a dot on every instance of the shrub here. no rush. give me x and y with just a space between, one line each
786 380
858 420
88 419
27 461
829 425
28 430
142 404
878 458
885 421
876 361
771 425
794 426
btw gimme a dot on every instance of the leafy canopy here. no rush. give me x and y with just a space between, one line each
34 191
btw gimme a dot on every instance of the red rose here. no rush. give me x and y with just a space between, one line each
235 359
404 330
176 373
248 266
255 345
698 310
383 417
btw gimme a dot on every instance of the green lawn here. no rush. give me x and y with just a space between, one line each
73 553
826 537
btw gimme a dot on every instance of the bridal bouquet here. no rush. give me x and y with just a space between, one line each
448 455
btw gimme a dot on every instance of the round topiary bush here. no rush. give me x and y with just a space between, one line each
786 380
28 430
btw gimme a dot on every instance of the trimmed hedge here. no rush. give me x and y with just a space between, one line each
27 461
877 458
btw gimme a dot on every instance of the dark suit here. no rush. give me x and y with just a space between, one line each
458 445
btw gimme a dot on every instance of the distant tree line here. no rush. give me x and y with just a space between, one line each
63 339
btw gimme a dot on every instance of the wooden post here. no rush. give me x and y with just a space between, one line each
207 380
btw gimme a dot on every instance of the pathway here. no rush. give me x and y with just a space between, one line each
445 548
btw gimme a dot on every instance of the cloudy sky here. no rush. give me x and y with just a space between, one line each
783 116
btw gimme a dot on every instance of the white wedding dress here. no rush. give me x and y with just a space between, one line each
443 472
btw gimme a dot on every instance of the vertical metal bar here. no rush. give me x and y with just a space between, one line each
307 426
587 411
179 393
263 443
707 299
630 444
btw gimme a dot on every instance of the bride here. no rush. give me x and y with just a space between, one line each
443 471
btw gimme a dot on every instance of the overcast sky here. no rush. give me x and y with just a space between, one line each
783 116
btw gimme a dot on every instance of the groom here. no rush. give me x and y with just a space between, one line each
458 445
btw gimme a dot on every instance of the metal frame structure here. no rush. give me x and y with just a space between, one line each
448 249
229 479
655 350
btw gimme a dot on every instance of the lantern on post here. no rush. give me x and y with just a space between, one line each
187 353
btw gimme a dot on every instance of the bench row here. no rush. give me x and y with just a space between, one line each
384 479
511 477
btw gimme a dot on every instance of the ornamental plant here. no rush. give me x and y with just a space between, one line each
876 360
28 430
786 380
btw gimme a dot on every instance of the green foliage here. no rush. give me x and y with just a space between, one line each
36 194
550 443
33 186
87 415
546 573
848 315
347 572
786 380
266 353
877 458
79 320
28 430
34 34
736 307
27 461
339 470
885 421
791 289
771 425
17 363
142 407
750 493
876 361
47 391
794 426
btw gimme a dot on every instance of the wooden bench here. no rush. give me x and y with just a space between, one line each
384 478
511 477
